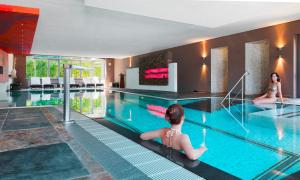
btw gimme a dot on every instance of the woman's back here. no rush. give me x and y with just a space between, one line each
171 138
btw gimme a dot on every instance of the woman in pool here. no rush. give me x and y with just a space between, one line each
172 137
270 96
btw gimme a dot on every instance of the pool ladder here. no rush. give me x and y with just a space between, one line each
235 114
241 80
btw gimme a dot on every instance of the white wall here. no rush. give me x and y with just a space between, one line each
219 70
257 64
132 80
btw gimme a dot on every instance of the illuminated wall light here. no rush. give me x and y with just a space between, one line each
279 57
280 31
203 59
204 49
130 63
280 63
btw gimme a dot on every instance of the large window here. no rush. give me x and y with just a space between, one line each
55 67
75 72
41 68
87 73
30 67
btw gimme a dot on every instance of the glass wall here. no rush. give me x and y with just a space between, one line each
53 68
41 66
30 67
37 68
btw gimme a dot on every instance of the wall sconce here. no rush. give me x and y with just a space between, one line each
203 59
279 53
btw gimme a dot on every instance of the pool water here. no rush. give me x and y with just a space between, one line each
91 103
244 140
249 144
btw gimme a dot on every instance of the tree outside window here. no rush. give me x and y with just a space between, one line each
53 68
30 67
41 68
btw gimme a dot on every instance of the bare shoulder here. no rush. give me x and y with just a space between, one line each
279 84
184 137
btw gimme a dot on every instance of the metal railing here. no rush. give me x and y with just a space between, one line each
242 79
237 114
67 75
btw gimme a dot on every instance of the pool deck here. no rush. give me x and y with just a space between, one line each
35 145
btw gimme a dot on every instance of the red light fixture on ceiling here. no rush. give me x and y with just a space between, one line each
19 25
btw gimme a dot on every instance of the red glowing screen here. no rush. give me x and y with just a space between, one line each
156 73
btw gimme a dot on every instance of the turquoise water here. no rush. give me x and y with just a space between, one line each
247 145
244 140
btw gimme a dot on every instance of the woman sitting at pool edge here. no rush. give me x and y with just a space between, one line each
172 137
270 96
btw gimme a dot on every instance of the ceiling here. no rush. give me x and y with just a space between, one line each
122 28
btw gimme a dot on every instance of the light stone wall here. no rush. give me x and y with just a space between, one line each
120 67
257 64
219 70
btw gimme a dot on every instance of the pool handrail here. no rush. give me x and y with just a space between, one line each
241 79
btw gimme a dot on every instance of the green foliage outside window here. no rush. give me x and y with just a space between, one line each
75 72
41 67
30 68
62 62
75 103
98 71
53 66
87 73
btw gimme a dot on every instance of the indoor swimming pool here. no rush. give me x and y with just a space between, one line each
243 140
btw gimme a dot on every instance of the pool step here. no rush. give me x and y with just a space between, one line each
150 163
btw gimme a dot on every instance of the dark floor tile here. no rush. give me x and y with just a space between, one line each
11 140
16 116
98 176
44 162
25 119
2 117
26 123
3 111
92 166
54 116
25 109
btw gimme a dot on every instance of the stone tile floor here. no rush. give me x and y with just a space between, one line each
35 145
